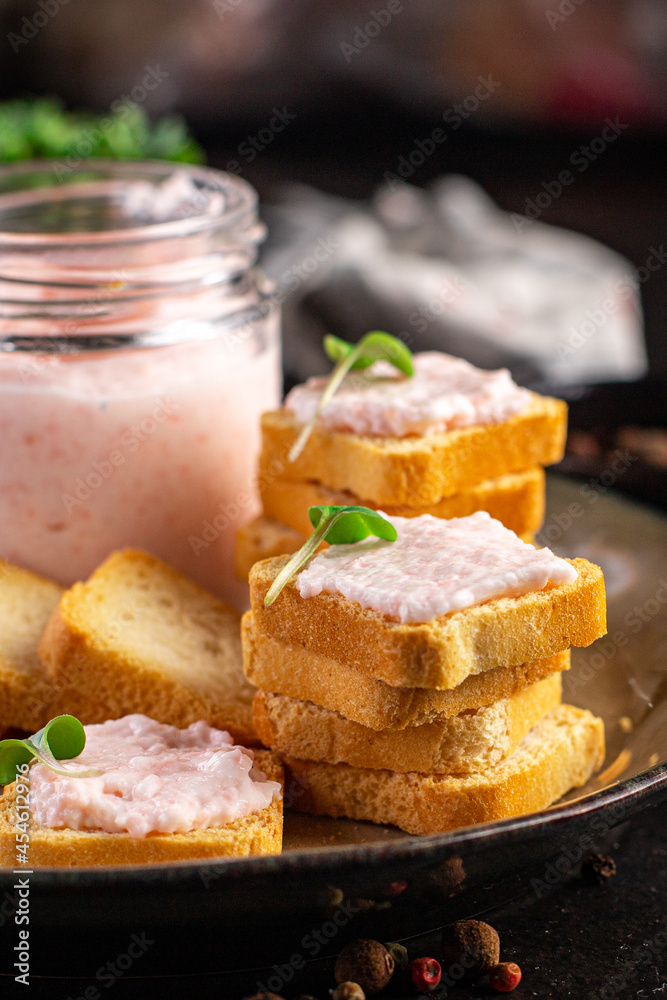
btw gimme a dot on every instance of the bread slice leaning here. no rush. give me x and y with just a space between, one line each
28 699
260 539
258 833
516 499
560 753
416 471
443 652
26 603
461 744
142 638
294 671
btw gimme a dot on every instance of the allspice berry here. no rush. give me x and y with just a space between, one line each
365 962
472 944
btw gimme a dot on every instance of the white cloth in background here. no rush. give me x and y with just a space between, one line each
446 269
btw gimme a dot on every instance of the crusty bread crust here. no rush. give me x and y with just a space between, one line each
516 499
416 470
462 744
441 653
133 667
560 753
259 833
294 671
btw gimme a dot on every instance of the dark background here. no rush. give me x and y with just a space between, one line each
563 68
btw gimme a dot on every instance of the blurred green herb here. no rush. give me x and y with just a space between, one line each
337 526
40 128
374 346
63 738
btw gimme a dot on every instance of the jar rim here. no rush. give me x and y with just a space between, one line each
231 200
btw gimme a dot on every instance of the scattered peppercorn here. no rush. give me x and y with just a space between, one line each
398 953
365 962
472 944
425 974
597 868
447 879
348 991
505 976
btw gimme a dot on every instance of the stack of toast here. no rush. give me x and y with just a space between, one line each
438 723
426 726
497 468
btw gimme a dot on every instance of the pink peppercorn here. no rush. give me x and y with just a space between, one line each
425 974
505 976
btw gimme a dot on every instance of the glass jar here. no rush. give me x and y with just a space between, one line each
138 348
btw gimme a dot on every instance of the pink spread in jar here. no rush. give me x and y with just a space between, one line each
434 567
138 349
157 779
444 393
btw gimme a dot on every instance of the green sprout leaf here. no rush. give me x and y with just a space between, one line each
63 738
13 753
351 524
374 346
337 526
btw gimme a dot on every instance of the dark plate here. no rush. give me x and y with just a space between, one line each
337 877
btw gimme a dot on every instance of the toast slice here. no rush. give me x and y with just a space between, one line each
260 539
416 471
560 753
26 603
28 699
516 499
443 652
296 672
461 744
258 833
140 637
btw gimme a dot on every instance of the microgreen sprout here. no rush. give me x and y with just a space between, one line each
63 738
374 346
337 526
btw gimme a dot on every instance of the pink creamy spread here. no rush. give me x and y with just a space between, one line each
157 779
434 567
444 393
